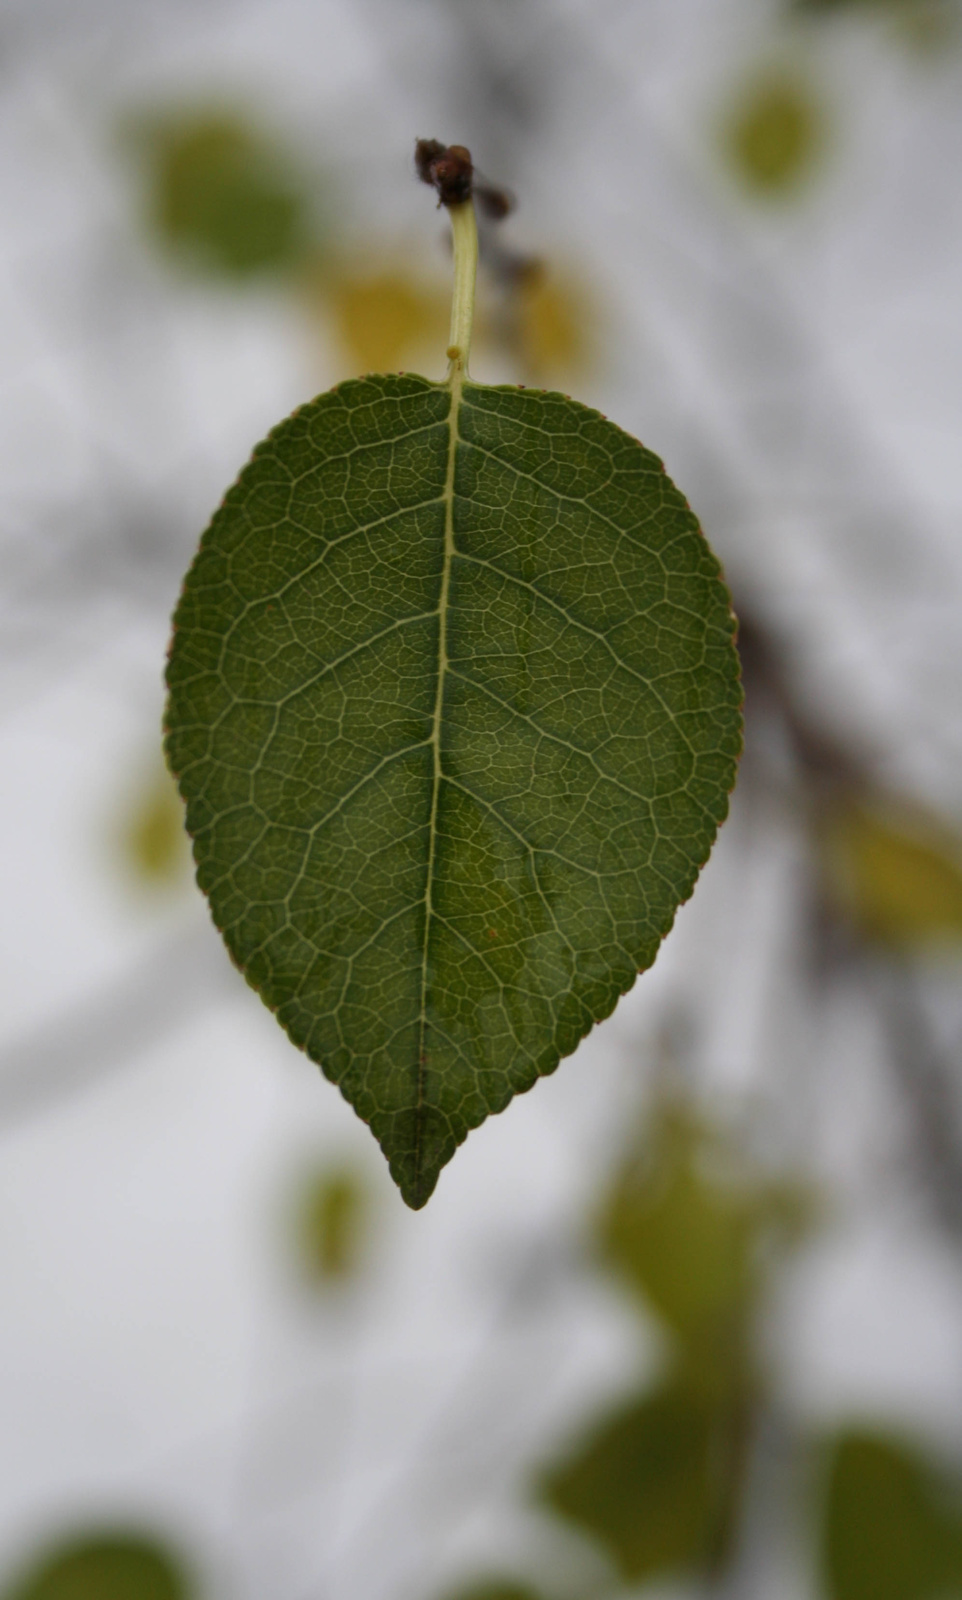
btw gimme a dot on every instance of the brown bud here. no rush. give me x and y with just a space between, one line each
447 167
427 151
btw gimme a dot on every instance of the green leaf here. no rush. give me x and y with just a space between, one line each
108 1566
657 1484
893 1523
454 706
223 195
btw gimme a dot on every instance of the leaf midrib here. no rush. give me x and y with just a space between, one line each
456 383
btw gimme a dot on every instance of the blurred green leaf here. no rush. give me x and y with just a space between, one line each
658 1483
776 133
107 1566
926 25
681 1238
331 1225
819 6
223 196
893 1523
686 1223
897 876
931 29
153 843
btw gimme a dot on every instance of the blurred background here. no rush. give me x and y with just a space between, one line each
686 1320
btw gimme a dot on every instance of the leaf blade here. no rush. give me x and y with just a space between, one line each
527 717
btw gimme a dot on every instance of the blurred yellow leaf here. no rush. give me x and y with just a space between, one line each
108 1566
222 194
330 1222
897 877
775 134
154 845
657 1483
556 326
893 1523
381 318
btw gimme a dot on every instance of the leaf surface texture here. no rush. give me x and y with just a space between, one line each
454 705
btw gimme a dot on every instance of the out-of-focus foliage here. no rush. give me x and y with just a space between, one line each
555 327
108 1566
222 195
391 318
929 29
929 25
153 844
657 1483
885 6
775 134
687 1224
331 1225
381 318
893 1523
897 877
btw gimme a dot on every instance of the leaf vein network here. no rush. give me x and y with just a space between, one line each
584 627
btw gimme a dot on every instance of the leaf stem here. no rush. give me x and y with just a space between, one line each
464 233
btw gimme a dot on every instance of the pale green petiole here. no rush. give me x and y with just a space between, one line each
464 232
